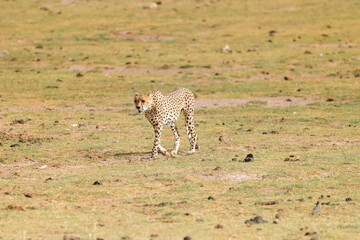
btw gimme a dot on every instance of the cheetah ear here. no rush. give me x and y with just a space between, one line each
137 94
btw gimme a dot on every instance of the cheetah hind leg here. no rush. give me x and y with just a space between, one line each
192 141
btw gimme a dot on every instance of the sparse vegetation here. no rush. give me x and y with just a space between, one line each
266 94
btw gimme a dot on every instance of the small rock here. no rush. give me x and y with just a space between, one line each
330 99
259 219
250 221
249 158
28 195
310 233
267 203
307 52
187 238
18 121
217 169
218 226
227 49
348 199
15 145
97 183
80 74
126 238
276 221
234 159
224 138
317 209
211 198
286 78
303 228
272 32
15 207
43 167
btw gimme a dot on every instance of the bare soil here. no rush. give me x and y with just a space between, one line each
269 102
159 71
234 177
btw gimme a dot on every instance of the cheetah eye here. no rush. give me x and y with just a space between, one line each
142 101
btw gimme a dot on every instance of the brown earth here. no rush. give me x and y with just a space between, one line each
269 102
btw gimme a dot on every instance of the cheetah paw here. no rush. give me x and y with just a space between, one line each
164 153
191 152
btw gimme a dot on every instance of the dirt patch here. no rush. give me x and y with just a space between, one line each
289 9
234 177
156 71
121 35
234 148
319 175
272 189
144 70
329 45
66 2
6 138
269 102
334 45
20 165
80 108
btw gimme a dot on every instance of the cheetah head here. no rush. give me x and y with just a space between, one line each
142 102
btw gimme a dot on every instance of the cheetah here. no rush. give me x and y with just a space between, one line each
163 110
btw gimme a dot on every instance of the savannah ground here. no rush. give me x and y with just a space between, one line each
289 86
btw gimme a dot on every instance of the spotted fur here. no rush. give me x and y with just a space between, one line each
163 110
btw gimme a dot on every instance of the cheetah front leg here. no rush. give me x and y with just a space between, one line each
177 140
157 147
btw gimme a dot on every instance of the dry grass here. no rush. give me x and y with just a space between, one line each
292 92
